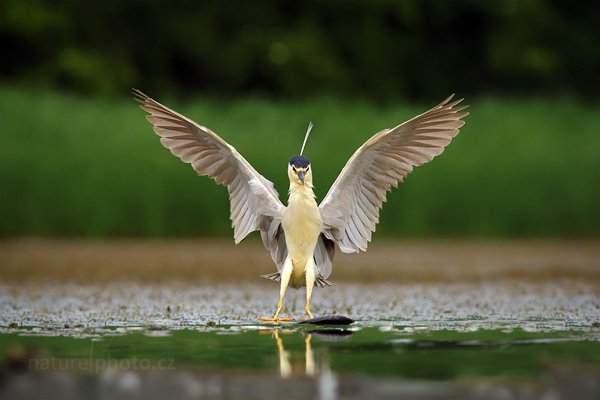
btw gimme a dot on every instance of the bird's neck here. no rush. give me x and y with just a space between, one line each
301 193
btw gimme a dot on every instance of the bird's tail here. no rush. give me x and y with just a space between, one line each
275 276
319 282
322 282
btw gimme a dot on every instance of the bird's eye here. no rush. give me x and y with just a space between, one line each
307 169
294 168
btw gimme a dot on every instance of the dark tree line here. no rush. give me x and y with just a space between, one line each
379 49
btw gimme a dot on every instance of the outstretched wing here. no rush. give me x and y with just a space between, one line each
350 210
254 202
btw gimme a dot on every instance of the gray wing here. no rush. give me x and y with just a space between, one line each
254 202
350 210
323 257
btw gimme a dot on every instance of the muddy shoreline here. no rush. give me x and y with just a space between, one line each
220 261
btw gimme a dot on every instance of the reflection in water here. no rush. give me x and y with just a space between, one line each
287 360
285 364
326 381
376 364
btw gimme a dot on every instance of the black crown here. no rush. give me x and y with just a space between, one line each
299 161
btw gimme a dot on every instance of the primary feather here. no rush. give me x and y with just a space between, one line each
350 210
254 202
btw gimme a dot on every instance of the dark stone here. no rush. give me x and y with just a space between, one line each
329 320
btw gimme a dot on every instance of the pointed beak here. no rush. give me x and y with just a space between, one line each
301 176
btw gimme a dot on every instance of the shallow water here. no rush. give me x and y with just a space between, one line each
253 361
505 339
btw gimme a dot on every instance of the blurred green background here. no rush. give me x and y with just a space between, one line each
79 159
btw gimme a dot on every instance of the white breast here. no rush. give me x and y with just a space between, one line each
302 225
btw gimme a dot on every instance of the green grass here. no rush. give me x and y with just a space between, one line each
92 166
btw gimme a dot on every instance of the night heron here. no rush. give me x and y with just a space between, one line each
302 236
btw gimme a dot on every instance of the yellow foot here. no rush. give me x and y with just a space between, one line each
275 320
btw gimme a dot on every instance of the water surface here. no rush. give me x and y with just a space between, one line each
442 340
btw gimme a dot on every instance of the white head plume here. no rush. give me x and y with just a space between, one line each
310 126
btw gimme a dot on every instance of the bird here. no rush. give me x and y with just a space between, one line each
302 237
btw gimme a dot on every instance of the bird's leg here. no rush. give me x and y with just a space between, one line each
286 273
309 271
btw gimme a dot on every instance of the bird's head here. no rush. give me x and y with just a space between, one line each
299 171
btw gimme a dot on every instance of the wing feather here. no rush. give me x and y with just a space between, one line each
254 202
350 210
